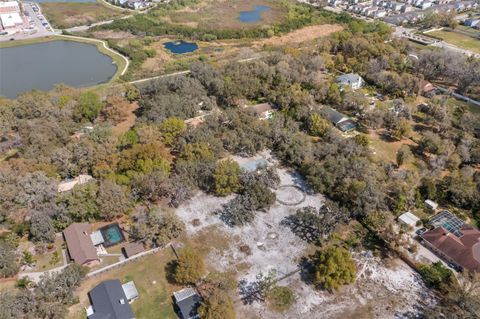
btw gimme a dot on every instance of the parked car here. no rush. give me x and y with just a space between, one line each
421 231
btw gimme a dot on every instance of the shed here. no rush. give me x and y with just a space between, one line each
408 219
130 291
431 204
132 249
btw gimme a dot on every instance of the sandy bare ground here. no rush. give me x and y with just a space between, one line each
381 290
302 35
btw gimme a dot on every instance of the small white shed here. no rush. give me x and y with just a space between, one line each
431 204
408 219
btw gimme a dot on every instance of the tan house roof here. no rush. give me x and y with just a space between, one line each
131 249
463 250
79 243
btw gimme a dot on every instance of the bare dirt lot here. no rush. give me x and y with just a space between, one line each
302 35
381 290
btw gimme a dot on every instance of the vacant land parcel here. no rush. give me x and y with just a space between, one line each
460 38
64 15
226 14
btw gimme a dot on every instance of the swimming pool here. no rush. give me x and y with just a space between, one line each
112 235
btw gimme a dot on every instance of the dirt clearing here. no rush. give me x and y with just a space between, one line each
302 35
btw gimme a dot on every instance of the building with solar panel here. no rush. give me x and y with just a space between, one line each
454 241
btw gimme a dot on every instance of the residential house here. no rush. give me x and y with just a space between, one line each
340 120
110 300
471 22
263 111
353 80
454 241
69 184
187 302
79 244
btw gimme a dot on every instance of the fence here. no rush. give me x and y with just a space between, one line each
122 262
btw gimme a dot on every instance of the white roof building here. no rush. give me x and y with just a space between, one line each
10 20
70 184
408 219
431 204
9 7
130 291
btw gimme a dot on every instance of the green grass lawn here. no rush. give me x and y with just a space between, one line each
458 39
155 298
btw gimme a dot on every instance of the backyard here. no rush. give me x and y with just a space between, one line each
148 274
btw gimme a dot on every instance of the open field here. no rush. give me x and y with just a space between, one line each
459 39
302 35
224 14
64 15
381 291
148 273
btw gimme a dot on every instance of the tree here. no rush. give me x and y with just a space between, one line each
171 128
218 305
404 155
189 267
402 129
112 200
280 298
317 125
41 228
334 267
89 105
436 275
226 177
362 139
156 227
314 225
59 287
115 109
8 260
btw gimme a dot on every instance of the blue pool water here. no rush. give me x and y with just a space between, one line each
253 15
179 47
112 235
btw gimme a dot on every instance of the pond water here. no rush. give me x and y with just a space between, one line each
42 65
179 47
254 15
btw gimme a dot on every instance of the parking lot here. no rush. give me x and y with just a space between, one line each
38 25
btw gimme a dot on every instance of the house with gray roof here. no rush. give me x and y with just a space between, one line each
110 300
340 120
353 80
187 302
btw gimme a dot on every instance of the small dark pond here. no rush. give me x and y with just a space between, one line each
179 47
253 15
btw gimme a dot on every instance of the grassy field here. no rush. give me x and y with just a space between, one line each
224 14
149 276
459 39
64 15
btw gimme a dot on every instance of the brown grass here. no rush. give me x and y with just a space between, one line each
302 35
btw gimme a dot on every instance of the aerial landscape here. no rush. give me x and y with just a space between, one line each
222 159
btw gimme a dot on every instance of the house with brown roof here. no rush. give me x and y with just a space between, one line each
79 244
461 249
